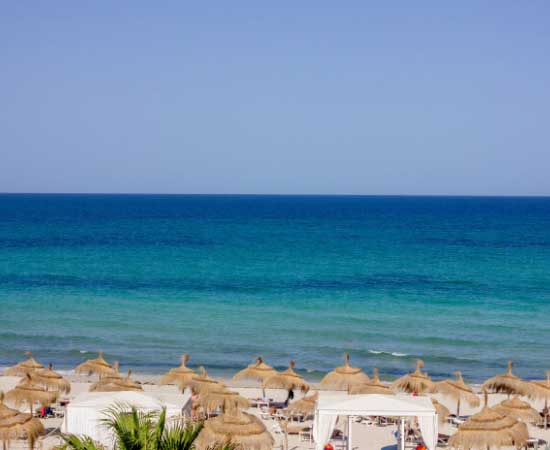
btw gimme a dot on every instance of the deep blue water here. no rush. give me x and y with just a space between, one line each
463 283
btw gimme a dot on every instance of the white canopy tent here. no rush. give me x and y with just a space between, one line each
84 414
330 407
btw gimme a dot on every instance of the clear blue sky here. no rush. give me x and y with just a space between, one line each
411 97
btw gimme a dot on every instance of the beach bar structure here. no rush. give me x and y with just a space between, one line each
329 407
84 414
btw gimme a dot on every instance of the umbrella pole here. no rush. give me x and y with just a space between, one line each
458 408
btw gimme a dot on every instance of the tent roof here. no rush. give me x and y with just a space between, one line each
375 405
141 400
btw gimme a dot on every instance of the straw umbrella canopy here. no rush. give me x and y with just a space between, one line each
111 377
116 384
488 429
245 431
219 396
15 424
459 391
416 382
202 383
287 379
375 386
541 391
508 383
344 377
30 365
305 405
259 371
181 375
52 380
441 410
29 392
518 409
98 366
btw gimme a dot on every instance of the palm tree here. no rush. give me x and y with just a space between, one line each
136 430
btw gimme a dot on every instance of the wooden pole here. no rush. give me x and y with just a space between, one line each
349 433
402 433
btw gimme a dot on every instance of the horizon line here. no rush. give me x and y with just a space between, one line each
174 194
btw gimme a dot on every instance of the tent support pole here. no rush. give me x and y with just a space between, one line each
402 433
349 433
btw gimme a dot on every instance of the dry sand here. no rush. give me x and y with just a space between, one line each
365 437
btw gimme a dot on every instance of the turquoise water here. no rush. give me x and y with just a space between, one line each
463 283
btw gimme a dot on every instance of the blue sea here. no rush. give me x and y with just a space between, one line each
463 283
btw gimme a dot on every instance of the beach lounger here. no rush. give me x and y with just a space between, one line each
306 435
384 421
536 443
443 440
338 439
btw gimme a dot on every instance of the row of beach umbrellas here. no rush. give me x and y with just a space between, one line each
235 425
499 425
38 385
504 424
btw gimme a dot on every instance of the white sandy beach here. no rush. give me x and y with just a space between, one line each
365 437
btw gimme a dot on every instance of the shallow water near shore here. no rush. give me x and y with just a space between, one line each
463 283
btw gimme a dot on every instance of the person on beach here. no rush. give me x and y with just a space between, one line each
290 396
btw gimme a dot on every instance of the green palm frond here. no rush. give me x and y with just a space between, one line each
136 430
73 442
132 430
179 437
224 446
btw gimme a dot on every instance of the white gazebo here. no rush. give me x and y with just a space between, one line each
84 414
329 407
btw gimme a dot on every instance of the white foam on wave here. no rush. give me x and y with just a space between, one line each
381 352
83 351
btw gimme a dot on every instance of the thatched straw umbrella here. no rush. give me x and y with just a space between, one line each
202 383
441 410
488 429
110 377
30 365
98 366
305 405
541 391
508 383
115 384
15 425
518 409
345 377
375 386
52 380
459 391
181 375
416 382
259 371
245 431
219 396
28 392
287 379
